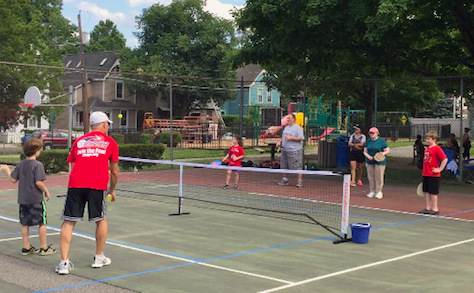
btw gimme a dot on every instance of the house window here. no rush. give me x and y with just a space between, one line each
123 120
260 96
32 122
79 118
269 96
119 90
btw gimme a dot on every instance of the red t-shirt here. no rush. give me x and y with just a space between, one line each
237 151
91 155
433 157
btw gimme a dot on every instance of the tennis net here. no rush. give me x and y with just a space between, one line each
323 199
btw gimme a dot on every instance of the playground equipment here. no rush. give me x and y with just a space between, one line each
192 128
318 121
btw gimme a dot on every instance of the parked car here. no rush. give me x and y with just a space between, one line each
55 139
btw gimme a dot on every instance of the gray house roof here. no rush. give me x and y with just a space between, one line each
249 72
102 62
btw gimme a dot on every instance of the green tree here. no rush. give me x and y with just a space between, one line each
181 39
106 37
335 46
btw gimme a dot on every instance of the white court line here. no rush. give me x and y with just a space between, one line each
366 266
19 238
165 255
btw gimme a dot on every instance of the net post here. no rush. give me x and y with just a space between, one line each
180 195
346 196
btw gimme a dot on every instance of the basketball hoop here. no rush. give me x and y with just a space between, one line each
25 107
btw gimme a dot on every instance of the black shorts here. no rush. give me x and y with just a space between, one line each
431 185
76 201
358 156
33 214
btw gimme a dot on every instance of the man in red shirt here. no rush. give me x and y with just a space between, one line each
434 162
90 159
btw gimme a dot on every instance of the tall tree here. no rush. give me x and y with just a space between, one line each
182 39
319 41
106 37
31 33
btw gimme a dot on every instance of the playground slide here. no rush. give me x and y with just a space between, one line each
326 132
271 131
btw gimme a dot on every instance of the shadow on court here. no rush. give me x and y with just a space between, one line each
216 251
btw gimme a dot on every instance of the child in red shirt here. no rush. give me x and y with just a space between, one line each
434 162
235 155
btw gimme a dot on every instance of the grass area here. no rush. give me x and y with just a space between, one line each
179 154
394 144
10 158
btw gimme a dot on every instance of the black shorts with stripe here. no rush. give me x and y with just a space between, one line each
33 214
76 201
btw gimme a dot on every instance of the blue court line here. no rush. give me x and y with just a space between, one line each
12 233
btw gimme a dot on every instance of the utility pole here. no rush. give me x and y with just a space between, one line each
85 98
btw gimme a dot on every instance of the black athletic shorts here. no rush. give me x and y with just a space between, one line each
33 214
431 185
358 156
76 202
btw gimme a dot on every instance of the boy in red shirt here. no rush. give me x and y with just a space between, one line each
235 155
434 162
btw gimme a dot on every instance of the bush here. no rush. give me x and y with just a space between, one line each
54 161
146 138
117 137
177 138
142 151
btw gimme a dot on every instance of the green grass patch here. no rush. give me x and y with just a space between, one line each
10 158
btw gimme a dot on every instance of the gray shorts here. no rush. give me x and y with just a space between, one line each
33 214
292 160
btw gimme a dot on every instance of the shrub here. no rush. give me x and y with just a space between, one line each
146 138
143 151
117 137
54 161
177 138
234 120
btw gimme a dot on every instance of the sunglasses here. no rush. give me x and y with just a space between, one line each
372 132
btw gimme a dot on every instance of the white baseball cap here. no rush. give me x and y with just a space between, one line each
99 117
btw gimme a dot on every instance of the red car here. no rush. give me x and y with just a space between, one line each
56 139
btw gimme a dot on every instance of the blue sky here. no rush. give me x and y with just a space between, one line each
123 12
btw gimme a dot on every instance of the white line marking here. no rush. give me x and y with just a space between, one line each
163 255
366 266
31 236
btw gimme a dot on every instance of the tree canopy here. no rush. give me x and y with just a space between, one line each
31 32
106 37
181 39
320 42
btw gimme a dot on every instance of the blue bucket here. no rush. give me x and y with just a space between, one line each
360 232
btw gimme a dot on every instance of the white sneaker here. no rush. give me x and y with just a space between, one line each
371 194
379 195
98 263
64 268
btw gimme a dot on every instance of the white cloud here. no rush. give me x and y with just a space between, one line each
220 9
118 18
68 1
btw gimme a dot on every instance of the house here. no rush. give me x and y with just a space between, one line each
256 93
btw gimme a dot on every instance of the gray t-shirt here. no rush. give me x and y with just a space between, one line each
292 145
28 172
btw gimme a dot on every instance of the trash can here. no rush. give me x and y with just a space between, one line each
327 154
360 232
343 152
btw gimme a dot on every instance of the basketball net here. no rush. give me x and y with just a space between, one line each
24 108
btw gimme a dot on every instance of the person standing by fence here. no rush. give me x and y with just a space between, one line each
466 143
291 150
356 143
375 168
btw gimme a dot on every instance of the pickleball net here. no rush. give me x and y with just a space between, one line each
323 199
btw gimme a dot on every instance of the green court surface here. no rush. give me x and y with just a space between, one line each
218 251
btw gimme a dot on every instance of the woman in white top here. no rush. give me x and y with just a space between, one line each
356 143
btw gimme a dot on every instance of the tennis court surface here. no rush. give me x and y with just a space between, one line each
224 245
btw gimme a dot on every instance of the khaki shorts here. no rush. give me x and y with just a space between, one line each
292 160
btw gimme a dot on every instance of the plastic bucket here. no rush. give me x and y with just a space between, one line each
360 232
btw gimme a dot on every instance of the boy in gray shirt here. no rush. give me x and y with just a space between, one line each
30 175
